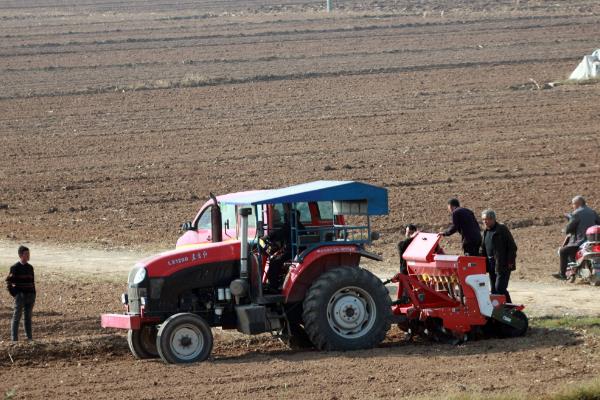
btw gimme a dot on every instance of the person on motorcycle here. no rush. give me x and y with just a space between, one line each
580 220
500 250
281 237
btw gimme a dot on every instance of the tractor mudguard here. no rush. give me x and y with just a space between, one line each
317 261
369 255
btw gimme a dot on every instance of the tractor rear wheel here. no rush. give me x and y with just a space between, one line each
142 342
347 308
184 338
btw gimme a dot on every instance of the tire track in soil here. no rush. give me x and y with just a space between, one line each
262 59
291 77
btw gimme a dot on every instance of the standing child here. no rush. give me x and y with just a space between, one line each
21 285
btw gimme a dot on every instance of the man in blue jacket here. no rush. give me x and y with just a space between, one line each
465 223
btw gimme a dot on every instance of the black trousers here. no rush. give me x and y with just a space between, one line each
499 283
566 252
275 272
471 249
23 302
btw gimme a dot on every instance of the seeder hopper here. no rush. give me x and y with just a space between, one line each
448 297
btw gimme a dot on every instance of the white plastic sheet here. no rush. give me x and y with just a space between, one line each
588 68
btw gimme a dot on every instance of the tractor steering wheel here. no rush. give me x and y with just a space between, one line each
267 246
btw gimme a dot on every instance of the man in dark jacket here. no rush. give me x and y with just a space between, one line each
465 223
410 233
579 221
21 285
500 250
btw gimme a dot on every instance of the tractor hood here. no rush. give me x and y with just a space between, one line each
169 262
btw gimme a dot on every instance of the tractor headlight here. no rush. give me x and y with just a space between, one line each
139 277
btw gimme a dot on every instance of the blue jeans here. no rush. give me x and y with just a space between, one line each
23 302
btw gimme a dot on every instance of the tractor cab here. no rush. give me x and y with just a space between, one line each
322 220
218 212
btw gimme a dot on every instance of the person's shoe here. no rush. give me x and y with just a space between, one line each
560 276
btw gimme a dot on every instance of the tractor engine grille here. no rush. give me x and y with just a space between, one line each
134 295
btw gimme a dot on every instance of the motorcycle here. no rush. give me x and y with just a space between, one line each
586 264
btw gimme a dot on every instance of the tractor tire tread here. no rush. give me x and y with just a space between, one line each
315 302
162 338
136 344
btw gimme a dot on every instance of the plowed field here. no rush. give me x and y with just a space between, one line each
118 118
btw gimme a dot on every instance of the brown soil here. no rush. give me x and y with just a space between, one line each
119 118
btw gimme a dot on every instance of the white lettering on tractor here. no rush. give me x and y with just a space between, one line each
201 255
177 261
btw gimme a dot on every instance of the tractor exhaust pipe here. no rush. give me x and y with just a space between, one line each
239 287
216 221
244 213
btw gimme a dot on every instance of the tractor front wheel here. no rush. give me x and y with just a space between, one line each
142 342
347 308
184 338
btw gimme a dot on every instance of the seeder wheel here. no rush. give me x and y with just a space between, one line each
435 331
512 331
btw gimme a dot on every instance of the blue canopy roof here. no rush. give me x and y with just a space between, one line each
376 197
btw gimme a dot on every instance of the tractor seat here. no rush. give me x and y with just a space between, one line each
305 240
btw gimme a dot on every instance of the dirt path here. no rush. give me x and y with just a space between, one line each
541 298
80 260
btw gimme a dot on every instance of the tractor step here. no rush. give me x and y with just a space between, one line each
270 299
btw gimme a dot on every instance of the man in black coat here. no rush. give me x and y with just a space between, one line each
21 285
465 223
410 233
500 250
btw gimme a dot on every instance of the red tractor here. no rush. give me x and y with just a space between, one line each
217 275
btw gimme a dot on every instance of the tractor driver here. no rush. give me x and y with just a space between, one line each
281 237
